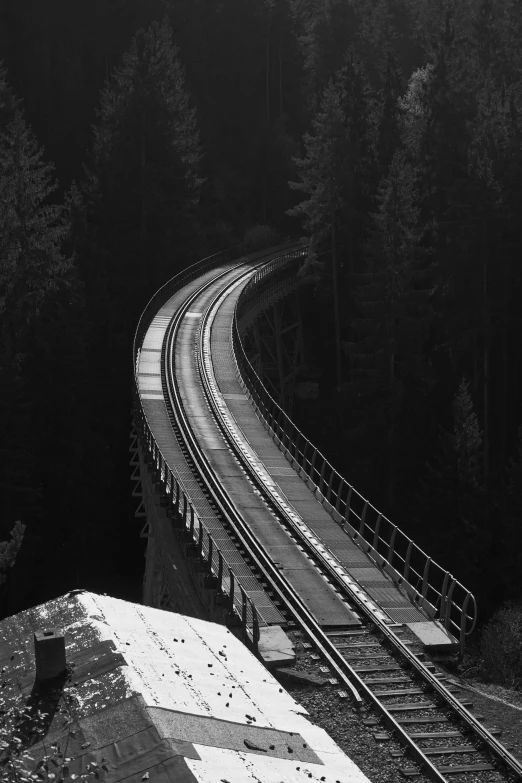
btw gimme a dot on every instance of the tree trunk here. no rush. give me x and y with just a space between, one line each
267 99
336 306
264 199
486 368
475 362
505 368
280 82
143 230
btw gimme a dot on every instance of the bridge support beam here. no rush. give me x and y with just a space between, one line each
168 582
176 578
275 347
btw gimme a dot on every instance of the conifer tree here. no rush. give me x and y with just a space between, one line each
388 114
329 153
324 30
36 271
8 102
452 501
393 311
146 158
485 39
9 550
515 473
33 267
361 117
376 35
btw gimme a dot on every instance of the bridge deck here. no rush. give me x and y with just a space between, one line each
324 603
297 494
151 393
330 610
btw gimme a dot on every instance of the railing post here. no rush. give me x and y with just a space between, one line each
425 577
312 464
200 539
348 507
376 533
406 571
391 545
330 484
210 552
191 523
443 595
449 601
231 591
321 478
255 628
178 498
363 519
307 443
339 493
244 615
463 623
220 571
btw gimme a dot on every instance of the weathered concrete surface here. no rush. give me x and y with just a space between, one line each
275 648
434 636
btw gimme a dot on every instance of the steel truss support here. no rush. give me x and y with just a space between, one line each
274 346
167 582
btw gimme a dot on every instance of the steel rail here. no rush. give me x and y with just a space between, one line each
496 748
262 561
328 649
281 587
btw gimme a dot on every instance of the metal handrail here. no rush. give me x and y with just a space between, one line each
198 535
427 584
172 491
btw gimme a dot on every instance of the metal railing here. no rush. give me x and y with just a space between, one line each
429 586
199 540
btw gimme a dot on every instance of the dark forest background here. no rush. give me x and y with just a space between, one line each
137 137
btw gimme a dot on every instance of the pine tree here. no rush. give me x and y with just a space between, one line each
509 16
388 117
376 35
33 267
467 440
324 28
8 102
485 40
147 157
514 471
361 117
324 167
324 170
10 549
393 312
452 502
36 272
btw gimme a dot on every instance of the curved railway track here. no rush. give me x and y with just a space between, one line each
440 737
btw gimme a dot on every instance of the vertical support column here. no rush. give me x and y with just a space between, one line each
148 577
300 335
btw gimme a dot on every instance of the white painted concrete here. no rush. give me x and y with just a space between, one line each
146 637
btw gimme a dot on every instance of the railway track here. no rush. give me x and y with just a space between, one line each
375 663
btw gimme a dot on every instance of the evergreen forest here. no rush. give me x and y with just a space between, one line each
139 136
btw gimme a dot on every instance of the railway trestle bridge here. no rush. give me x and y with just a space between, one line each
248 524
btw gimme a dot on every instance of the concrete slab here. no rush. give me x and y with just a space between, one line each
275 648
434 636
